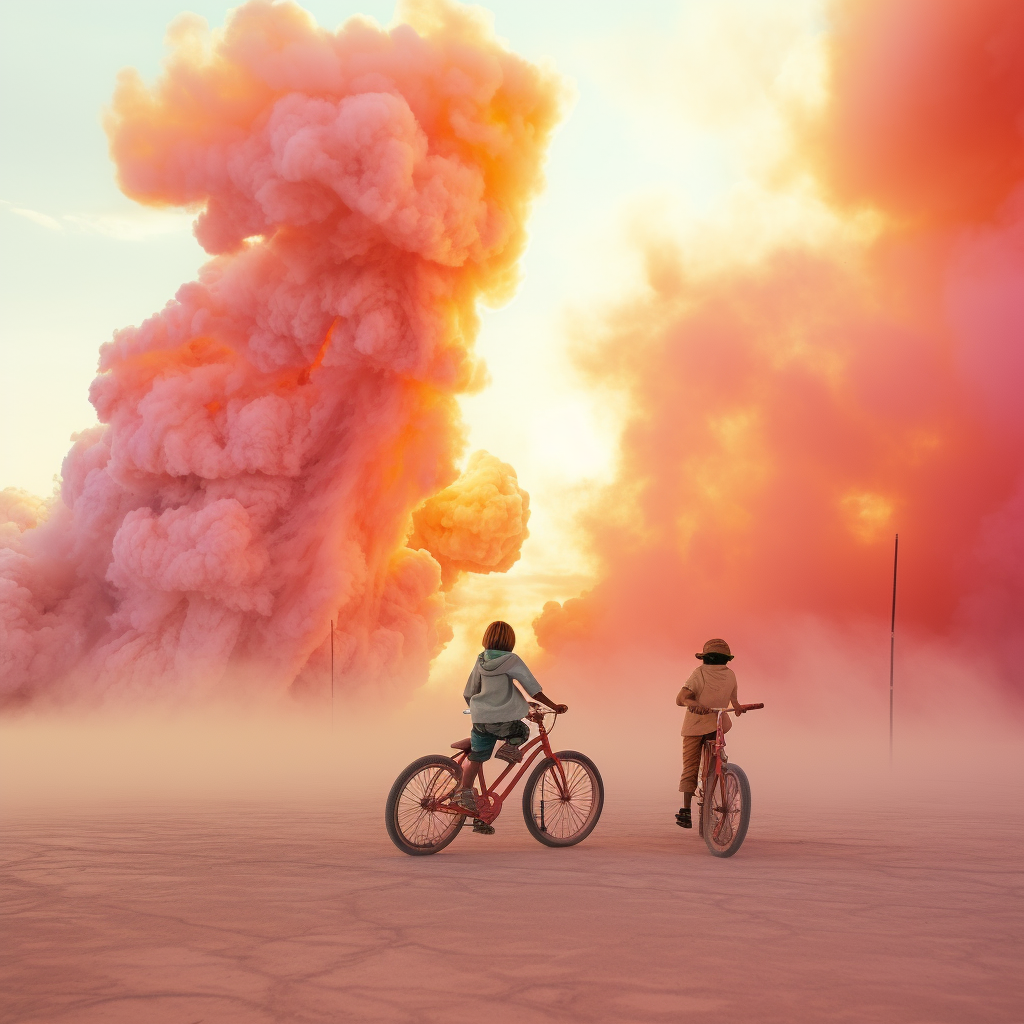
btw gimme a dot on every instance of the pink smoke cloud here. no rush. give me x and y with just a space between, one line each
267 435
789 418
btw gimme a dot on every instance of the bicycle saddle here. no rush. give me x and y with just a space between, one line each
462 744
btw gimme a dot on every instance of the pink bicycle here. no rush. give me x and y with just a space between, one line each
723 793
562 800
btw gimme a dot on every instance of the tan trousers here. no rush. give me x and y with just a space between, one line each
691 763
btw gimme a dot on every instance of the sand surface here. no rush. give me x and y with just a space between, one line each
248 913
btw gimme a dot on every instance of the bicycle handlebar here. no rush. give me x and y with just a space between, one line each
554 711
732 711
534 706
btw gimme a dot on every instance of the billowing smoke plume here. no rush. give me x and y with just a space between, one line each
790 417
478 524
267 435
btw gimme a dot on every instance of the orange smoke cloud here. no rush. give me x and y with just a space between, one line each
478 524
789 418
267 435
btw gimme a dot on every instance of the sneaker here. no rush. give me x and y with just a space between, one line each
509 753
483 828
683 819
466 800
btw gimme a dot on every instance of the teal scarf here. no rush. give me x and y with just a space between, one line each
491 655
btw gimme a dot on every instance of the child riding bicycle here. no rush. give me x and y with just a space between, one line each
497 710
710 686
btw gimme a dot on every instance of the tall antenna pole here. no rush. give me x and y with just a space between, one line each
892 638
332 676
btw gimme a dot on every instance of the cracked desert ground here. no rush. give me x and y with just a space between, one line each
194 902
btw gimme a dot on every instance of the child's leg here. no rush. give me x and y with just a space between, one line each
518 733
691 768
466 796
482 743
470 773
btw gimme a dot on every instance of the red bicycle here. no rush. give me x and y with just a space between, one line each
723 793
562 801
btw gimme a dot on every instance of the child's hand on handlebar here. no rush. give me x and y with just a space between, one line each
559 709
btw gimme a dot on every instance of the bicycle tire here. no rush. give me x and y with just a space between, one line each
580 771
739 792
441 827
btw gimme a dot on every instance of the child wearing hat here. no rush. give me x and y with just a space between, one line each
711 686
498 710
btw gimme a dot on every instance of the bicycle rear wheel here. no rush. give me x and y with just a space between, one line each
413 827
563 817
727 816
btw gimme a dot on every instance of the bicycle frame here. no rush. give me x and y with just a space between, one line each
494 799
713 756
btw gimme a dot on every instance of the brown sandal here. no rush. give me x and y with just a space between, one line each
509 753
465 799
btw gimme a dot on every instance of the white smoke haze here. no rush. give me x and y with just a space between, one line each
822 739
60 765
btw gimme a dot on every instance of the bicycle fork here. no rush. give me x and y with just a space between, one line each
561 782
713 761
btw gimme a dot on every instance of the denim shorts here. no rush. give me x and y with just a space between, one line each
486 734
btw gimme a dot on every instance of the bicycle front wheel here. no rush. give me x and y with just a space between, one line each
727 812
413 823
563 814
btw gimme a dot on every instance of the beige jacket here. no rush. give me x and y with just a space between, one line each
714 686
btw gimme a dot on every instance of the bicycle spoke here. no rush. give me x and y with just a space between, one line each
576 781
414 830
415 819
725 808
568 805
581 805
562 824
576 814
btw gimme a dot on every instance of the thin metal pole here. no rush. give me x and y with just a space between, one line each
892 638
332 675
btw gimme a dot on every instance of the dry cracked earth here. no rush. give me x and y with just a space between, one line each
306 913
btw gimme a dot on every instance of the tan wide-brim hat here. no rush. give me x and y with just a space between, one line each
715 647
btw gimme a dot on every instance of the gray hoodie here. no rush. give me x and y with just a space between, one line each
491 694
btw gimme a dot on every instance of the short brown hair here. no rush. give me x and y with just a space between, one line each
499 636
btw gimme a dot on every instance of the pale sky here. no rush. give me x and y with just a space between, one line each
673 119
